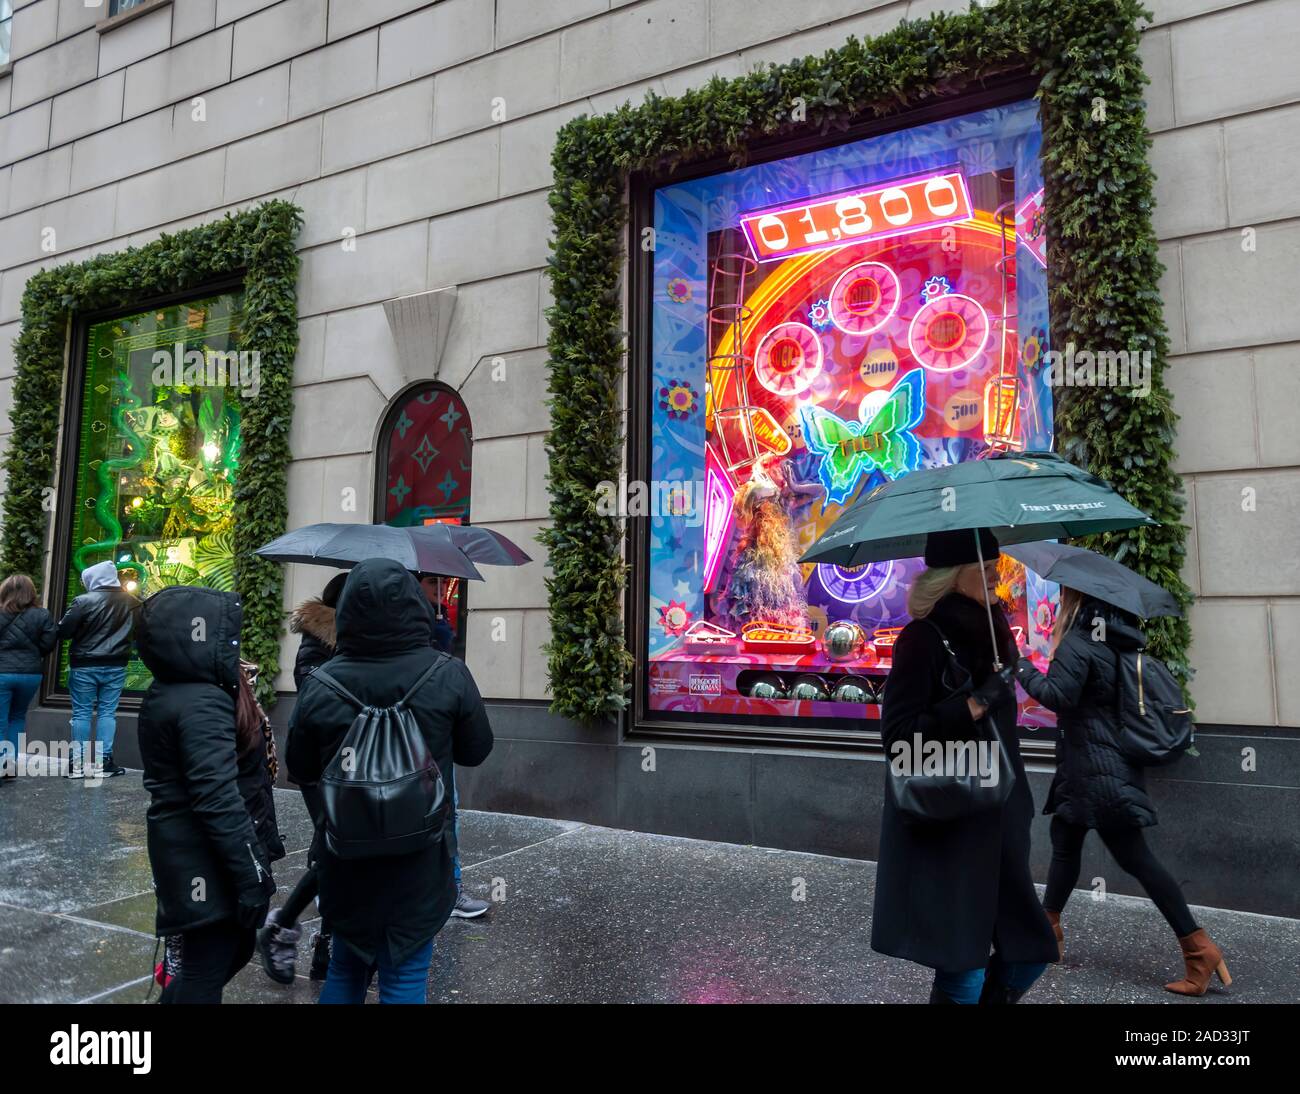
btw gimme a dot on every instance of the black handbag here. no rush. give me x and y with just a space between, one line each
949 796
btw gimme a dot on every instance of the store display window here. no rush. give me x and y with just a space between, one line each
425 463
820 324
156 424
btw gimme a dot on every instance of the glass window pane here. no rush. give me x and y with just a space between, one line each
821 324
158 449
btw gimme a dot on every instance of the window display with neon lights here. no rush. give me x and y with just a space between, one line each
158 438
820 324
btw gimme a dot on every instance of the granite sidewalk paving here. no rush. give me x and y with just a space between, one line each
581 914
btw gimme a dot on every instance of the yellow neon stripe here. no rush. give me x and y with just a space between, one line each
793 268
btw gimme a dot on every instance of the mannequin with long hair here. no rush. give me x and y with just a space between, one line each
766 583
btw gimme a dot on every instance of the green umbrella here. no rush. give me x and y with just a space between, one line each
1019 496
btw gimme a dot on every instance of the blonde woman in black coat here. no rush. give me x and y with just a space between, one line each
1096 786
948 892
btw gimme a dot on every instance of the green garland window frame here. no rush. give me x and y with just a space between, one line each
1103 279
254 250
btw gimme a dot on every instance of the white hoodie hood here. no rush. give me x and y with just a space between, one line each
102 575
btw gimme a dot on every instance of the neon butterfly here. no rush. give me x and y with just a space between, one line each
884 442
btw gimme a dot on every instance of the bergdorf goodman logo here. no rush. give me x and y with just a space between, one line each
179 367
950 758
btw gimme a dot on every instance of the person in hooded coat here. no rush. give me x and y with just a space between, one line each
314 620
949 891
1096 786
211 821
277 941
385 911
97 626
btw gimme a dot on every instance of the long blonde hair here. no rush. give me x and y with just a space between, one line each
1066 613
930 586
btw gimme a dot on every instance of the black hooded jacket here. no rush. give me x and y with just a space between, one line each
314 620
1094 784
207 802
383 627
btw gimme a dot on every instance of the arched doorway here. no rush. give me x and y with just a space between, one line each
423 474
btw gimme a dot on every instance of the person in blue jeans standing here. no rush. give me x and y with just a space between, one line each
99 626
27 634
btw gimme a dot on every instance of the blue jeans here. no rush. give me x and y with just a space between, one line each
17 689
455 831
349 976
965 986
95 686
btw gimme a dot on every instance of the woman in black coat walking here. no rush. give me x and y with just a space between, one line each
385 911
949 891
1096 786
211 822
27 634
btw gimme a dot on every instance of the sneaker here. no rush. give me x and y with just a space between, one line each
279 949
76 770
467 907
109 768
320 956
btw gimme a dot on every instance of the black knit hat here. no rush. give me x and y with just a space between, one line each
957 548
334 589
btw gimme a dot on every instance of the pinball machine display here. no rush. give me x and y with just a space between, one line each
823 323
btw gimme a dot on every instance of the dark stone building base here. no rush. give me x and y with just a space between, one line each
1229 835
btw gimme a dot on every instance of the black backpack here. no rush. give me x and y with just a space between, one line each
1155 724
382 794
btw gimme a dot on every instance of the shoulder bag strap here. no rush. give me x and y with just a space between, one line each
952 655
325 678
424 676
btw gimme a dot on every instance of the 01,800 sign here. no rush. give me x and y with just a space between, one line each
889 209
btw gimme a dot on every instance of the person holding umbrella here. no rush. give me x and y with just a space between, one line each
953 881
1096 785
948 890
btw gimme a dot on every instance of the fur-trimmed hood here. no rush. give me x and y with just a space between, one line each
316 618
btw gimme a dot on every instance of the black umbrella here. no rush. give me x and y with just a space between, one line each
1096 575
1020 496
446 549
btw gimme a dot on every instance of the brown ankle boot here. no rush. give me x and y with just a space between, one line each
1203 959
1054 918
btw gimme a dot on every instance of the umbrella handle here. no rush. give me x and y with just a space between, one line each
988 608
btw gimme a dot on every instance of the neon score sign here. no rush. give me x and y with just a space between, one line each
876 212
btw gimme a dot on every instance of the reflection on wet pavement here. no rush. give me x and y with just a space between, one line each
580 914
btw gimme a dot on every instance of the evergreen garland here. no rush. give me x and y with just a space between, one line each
1103 278
258 244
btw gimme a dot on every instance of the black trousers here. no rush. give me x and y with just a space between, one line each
1130 850
210 958
308 885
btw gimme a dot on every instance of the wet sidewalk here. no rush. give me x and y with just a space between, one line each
580 914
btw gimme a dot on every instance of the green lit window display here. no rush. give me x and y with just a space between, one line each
158 449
